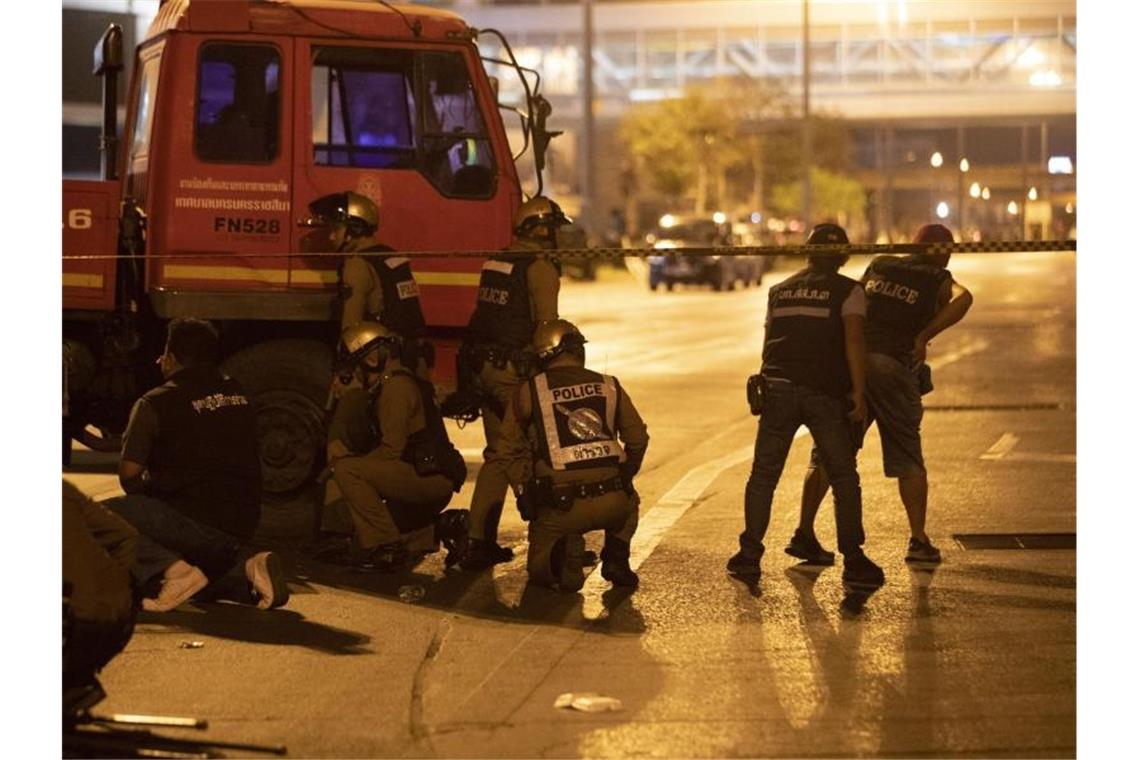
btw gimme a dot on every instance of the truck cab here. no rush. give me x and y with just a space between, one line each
240 114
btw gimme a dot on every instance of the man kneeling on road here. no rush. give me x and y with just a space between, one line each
560 445
398 469
910 299
814 363
192 473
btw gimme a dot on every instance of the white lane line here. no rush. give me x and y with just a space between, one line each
1002 448
972 347
1052 458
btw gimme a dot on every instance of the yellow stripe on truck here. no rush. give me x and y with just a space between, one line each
300 276
74 280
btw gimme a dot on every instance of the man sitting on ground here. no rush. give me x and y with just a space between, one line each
192 474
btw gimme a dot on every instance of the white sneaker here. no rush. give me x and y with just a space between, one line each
268 578
177 590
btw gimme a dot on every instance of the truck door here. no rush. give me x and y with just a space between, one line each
224 194
405 126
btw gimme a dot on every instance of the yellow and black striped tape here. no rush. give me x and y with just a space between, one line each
991 246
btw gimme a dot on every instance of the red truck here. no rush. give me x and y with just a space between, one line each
240 113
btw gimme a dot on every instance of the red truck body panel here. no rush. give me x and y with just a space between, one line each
90 226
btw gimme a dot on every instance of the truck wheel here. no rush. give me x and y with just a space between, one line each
287 382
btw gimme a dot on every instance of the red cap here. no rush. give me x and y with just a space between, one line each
933 233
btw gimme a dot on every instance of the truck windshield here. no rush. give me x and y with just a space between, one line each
396 109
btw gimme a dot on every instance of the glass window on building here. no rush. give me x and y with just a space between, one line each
238 103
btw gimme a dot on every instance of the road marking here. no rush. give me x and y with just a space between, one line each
1003 449
972 347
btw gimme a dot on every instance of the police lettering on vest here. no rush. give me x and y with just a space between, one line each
577 418
502 310
902 298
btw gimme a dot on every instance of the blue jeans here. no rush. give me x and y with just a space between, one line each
166 536
787 406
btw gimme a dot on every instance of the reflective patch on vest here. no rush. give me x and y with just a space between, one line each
497 296
502 267
890 289
801 311
578 423
407 289
396 261
216 401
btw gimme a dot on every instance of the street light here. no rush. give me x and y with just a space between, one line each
943 210
975 190
985 193
1032 195
964 165
936 159
1012 208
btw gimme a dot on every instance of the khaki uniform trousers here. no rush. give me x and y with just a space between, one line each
491 483
616 513
387 499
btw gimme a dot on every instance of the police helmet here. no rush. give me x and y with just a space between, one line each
827 234
539 213
554 337
357 212
933 233
360 341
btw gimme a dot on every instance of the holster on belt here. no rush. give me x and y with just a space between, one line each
565 495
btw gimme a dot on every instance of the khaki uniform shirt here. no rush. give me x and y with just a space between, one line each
365 294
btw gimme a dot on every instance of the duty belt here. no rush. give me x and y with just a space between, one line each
590 490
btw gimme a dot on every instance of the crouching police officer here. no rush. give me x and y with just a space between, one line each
577 477
517 292
814 362
396 491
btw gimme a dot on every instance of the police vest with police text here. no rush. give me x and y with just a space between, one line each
502 310
205 461
902 298
400 311
574 411
804 342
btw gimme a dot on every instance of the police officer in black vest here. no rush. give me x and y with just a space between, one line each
590 443
192 472
910 299
813 374
517 293
397 477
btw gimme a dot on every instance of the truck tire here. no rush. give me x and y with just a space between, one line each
287 382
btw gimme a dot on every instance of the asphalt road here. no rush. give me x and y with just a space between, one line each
977 657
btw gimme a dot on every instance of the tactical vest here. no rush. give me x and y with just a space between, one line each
804 340
502 312
429 450
400 308
205 461
574 410
902 298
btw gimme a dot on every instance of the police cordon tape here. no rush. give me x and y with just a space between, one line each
994 246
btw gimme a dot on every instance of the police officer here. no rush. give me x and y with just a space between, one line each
517 292
813 374
590 442
374 288
396 491
910 299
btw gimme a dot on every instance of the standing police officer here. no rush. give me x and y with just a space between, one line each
813 374
577 476
517 293
401 485
910 299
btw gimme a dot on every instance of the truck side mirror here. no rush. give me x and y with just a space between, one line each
109 51
108 64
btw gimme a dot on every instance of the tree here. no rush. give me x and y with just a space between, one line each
834 196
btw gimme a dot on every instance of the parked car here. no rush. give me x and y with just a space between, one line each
677 232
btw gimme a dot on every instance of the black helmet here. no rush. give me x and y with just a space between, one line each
827 234
357 212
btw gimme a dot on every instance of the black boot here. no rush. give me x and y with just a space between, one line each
482 554
451 531
746 562
388 558
615 563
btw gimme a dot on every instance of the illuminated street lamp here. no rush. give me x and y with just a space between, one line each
964 165
985 193
719 217
975 190
936 159
1032 195
1012 208
943 210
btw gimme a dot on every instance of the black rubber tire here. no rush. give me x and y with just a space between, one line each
287 382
